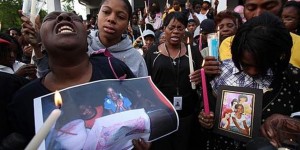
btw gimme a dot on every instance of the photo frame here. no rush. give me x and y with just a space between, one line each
238 112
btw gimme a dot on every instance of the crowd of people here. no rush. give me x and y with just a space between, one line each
259 47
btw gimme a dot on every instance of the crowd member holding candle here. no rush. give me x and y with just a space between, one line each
168 65
65 39
252 67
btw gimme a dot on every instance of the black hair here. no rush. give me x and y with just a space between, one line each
261 36
237 106
196 3
128 5
208 3
15 29
176 16
191 20
12 40
156 8
149 27
234 100
235 17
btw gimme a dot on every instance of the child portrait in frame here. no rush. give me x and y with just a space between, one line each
238 112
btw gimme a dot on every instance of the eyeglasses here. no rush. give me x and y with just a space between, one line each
172 28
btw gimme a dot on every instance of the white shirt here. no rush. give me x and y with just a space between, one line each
16 66
238 121
156 23
200 16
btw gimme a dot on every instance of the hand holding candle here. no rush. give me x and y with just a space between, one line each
190 61
204 92
46 127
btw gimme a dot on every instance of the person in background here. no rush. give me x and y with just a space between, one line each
175 7
92 23
9 84
168 66
228 22
15 43
8 62
291 16
191 27
149 37
240 10
14 32
134 25
161 38
151 18
155 6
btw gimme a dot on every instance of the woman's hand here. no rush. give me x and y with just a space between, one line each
27 50
211 66
28 31
277 121
206 120
195 77
27 70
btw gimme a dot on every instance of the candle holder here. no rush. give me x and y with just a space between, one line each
288 139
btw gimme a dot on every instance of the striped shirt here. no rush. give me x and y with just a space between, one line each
231 76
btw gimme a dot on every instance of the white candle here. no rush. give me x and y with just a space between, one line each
146 7
190 60
32 54
25 7
140 16
167 3
33 12
142 35
46 127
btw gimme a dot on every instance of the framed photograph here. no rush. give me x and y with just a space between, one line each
238 112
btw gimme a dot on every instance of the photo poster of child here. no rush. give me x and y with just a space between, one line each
235 111
107 114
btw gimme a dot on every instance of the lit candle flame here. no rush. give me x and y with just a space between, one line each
57 99
188 40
